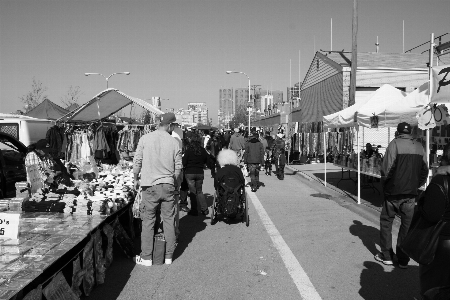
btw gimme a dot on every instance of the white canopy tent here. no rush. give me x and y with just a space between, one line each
104 105
346 118
398 109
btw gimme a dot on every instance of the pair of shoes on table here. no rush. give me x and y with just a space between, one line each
184 208
381 258
143 262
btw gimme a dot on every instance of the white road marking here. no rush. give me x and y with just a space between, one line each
298 275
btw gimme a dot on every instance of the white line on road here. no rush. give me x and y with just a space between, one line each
301 280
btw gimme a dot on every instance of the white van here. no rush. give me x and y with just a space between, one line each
25 129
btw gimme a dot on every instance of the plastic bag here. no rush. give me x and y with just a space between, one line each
59 289
122 238
99 259
88 266
137 204
77 276
109 232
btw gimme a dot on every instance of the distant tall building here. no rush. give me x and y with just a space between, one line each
277 95
240 97
200 112
226 107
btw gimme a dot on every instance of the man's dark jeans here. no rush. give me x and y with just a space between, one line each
195 183
253 170
403 205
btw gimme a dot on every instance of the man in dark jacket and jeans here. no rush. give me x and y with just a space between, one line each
403 171
253 157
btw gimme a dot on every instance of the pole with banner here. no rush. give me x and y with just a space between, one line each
430 77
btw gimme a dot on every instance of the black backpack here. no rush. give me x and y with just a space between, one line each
230 199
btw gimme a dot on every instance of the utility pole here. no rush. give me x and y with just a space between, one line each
354 60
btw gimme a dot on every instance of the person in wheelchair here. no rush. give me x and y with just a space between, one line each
229 176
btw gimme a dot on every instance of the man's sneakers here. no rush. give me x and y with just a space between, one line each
168 261
382 259
143 262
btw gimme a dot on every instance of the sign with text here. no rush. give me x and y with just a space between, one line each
9 226
34 178
440 84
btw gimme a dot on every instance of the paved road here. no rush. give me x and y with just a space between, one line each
330 239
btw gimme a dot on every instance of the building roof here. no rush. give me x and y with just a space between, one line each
381 60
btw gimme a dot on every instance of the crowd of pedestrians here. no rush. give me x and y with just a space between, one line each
168 165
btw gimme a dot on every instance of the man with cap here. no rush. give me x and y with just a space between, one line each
158 160
253 157
404 169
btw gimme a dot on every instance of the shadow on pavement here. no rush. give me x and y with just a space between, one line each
368 235
189 226
376 283
372 194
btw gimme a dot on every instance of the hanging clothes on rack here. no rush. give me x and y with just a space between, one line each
55 137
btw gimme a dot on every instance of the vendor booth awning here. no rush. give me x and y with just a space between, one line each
345 117
105 104
47 110
402 110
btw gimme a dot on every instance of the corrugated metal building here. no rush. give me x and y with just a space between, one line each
325 88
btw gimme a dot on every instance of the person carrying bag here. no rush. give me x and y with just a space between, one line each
428 239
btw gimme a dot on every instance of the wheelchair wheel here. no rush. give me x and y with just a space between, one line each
246 216
213 210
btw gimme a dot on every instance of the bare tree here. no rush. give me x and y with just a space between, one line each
72 96
34 97
240 117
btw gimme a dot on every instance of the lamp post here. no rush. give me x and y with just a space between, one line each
249 108
107 78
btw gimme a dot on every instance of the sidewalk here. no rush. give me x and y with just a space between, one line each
316 172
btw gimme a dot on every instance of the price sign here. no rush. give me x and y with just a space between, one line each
9 226
34 178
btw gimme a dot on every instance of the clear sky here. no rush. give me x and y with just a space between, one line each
180 50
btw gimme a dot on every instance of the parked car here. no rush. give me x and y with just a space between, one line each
12 164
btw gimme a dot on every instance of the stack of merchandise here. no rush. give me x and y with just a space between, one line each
22 189
4 204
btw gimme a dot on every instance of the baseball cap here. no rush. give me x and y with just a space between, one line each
168 118
404 128
43 145
236 130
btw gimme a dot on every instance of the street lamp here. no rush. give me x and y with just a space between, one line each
107 78
249 108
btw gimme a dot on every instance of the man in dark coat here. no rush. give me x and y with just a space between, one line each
226 139
253 157
278 151
214 146
403 171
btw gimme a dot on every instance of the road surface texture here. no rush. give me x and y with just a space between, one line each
304 241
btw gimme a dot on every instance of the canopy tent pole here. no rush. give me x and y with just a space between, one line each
325 155
427 143
359 165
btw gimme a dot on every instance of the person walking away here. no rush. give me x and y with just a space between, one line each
214 147
229 167
237 144
226 139
434 208
254 158
194 159
268 157
158 160
278 150
206 138
403 171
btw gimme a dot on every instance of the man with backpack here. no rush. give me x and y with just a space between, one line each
253 157
403 171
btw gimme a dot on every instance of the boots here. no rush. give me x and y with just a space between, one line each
280 173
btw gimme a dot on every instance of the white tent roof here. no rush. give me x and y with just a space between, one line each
396 108
345 117
105 104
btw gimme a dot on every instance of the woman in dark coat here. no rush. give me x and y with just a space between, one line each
194 159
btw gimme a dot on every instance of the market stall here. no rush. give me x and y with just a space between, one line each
60 222
348 159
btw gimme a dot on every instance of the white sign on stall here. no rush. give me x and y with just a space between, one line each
9 226
440 84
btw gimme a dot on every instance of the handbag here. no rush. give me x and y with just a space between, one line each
421 241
